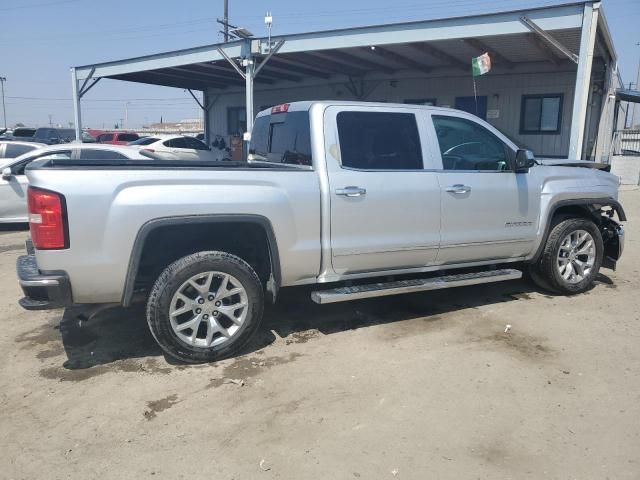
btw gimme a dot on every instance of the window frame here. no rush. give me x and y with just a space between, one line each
507 144
409 111
541 96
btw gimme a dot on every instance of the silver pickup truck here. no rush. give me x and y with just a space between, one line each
360 199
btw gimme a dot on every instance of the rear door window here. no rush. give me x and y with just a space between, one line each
195 143
282 138
97 154
176 143
127 137
379 141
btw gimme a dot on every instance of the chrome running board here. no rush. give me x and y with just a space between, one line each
357 292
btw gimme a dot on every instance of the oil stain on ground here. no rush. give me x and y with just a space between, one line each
157 406
147 366
248 367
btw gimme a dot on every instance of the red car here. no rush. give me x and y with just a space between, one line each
117 138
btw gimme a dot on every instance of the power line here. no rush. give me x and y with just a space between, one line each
36 5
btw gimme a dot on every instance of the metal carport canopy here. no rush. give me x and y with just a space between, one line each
421 45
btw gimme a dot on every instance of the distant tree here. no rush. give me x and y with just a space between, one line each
19 124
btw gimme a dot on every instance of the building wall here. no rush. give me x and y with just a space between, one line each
504 96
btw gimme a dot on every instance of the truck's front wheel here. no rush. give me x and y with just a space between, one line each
571 258
205 307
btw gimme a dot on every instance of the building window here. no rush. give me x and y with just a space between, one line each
421 101
236 120
541 113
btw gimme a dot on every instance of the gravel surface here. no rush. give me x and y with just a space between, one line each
420 386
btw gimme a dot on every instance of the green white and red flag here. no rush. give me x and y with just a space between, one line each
481 65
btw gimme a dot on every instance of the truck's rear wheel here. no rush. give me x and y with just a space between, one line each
571 258
205 307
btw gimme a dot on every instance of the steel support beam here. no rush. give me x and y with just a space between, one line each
186 79
232 63
481 48
266 59
77 114
83 91
531 25
226 68
350 60
193 70
329 65
543 48
440 55
400 59
249 74
86 80
282 64
583 80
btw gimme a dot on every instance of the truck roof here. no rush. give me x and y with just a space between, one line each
306 105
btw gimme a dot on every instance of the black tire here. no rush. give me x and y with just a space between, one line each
533 274
174 276
546 274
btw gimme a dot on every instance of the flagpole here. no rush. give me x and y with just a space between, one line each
475 95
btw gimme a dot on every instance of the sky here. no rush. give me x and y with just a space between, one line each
41 39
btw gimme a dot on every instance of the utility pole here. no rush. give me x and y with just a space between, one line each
126 115
4 111
226 21
50 120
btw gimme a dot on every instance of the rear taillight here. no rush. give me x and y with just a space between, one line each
283 108
47 217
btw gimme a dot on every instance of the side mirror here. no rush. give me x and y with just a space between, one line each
525 159
7 173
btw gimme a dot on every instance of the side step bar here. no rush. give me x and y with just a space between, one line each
357 292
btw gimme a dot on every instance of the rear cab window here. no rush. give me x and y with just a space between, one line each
282 137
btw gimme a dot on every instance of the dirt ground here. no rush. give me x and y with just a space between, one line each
422 386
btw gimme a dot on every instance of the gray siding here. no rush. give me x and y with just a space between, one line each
504 93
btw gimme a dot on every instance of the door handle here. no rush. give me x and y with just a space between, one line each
458 188
351 191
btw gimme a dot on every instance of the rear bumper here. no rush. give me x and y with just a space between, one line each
42 291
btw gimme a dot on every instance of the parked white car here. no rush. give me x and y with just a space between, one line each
176 147
10 149
13 185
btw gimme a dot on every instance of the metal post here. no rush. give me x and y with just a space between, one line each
4 111
249 73
76 105
583 80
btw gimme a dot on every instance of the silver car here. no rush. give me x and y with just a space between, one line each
13 185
